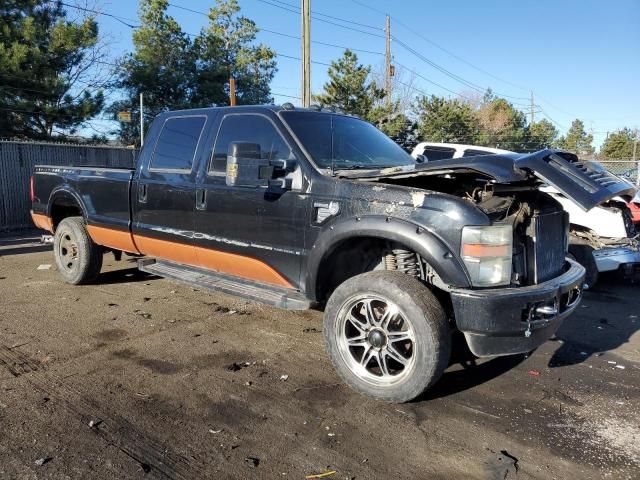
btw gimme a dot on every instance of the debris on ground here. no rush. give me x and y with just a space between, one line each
94 423
231 312
311 330
621 367
502 464
211 430
41 461
112 305
322 475
253 462
534 373
44 266
143 314
284 378
235 366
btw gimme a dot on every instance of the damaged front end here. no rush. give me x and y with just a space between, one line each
525 307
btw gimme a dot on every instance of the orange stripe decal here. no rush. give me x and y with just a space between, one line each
224 262
42 221
108 237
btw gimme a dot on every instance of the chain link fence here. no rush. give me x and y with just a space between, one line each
627 169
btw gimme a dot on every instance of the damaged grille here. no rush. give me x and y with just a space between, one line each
547 236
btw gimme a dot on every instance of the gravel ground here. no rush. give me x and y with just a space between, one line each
137 377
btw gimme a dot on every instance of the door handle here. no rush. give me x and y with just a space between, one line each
142 193
201 198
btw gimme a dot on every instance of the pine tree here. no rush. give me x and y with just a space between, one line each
349 87
161 67
577 140
446 120
541 135
225 49
618 145
46 64
501 125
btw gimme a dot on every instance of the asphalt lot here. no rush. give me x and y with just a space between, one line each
137 377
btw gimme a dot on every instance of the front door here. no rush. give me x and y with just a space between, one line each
164 195
253 233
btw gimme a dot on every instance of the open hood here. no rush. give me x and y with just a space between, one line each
587 183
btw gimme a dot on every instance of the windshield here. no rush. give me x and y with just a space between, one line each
340 142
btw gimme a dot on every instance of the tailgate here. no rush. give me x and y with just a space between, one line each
585 182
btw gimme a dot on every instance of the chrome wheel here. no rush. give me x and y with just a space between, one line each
68 251
375 339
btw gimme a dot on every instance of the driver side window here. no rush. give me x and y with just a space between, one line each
247 128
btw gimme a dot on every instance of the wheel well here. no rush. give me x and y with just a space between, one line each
64 207
349 258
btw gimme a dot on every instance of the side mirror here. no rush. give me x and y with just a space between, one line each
245 168
421 158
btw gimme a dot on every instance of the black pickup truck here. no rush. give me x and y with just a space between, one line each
301 207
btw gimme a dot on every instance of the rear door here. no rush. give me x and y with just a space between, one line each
163 196
253 233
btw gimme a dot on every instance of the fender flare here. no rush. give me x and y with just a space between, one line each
434 251
64 192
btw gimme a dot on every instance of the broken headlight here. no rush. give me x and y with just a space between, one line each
486 252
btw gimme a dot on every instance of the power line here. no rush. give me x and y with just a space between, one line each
458 78
297 12
123 20
329 16
440 47
282 34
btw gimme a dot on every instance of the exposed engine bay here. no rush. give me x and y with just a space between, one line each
530 212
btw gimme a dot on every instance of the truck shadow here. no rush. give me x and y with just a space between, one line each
468 371
20 249
606 320
125 275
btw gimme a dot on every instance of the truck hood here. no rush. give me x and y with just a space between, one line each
585 182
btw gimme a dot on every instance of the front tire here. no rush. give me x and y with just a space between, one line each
583 254
78 258
387 335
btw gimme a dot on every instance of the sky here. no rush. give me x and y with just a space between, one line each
580 58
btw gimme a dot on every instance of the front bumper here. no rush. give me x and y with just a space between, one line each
610 259
507 321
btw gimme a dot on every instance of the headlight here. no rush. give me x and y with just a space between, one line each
486 251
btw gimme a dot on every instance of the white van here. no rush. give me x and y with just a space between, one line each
441 151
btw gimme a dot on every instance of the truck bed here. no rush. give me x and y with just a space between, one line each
104 193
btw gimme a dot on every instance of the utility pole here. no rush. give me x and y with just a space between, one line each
635 151
306 53
141 121
533 106
232 91
387 60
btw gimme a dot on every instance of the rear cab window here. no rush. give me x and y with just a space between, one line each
177 143
438 153
250 128
469 152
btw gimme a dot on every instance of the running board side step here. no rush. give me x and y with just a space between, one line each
219 282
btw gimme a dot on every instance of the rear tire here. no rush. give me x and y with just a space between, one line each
387 335
77 257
